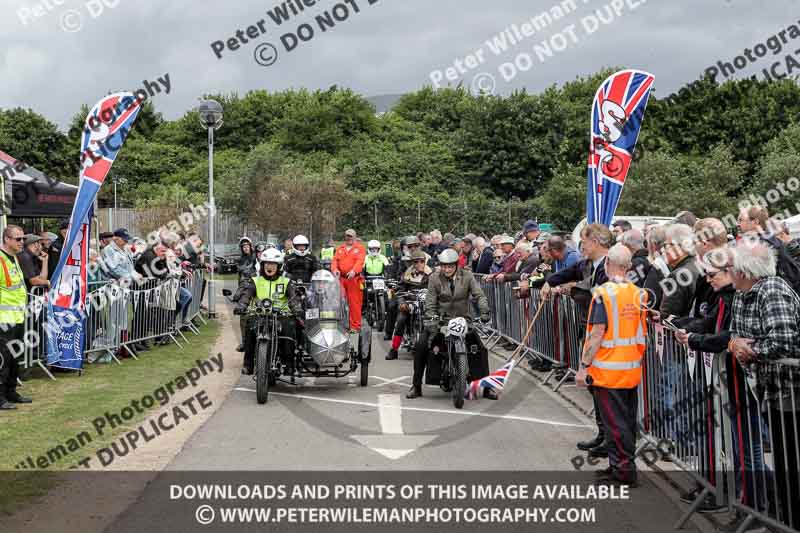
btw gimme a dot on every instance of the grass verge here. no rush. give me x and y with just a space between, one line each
66 407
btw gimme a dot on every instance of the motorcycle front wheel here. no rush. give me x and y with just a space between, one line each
263 371
459 379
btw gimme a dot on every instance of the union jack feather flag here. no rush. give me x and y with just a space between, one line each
496 380
617 115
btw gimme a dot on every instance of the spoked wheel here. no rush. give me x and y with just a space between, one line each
365 366
381 315
459 379
263 372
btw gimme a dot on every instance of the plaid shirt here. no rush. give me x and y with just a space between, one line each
769 313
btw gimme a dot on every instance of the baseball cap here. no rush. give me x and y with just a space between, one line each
123 234
530 225
30 239
350 233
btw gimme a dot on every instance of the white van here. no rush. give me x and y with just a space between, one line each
636 222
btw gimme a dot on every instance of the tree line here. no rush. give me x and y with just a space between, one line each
322 160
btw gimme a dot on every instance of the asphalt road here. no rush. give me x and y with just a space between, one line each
333 430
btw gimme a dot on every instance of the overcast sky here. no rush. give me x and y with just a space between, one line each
391 46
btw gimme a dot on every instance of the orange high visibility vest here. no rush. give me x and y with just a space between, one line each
618 363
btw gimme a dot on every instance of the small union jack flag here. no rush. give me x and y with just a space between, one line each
496 380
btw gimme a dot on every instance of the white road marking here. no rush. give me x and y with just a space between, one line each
390 414
429 410
390 381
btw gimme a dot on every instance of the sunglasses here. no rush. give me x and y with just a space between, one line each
18 239
419 260
712 275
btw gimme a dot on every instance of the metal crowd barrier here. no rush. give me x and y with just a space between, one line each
118 317
737 438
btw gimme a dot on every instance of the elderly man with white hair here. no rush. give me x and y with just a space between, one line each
633 240
766 327
680 286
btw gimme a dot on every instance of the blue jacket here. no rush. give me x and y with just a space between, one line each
571 259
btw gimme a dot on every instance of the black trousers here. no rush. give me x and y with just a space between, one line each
288 336
9 368
618 409
478 359
391 315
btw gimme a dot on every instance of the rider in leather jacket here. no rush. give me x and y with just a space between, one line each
247 269
415 277
449 296
301 264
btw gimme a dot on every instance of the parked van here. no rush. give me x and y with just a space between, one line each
635 221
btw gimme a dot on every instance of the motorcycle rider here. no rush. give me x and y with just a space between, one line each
450 291
301 264
269 284
247 269
413 244
375 264
327 253
415 277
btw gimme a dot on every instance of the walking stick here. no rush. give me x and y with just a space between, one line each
524 341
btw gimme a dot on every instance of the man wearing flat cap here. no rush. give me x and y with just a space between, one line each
33 261
105 239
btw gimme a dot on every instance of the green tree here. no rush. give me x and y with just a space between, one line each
29 137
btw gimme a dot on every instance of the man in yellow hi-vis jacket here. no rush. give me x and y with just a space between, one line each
13 297
611 362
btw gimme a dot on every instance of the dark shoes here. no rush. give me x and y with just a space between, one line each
6 405
15 397
709 503
587 445
540 365
612 479
598 452
414 392
240 348
140 346
392 355
247 371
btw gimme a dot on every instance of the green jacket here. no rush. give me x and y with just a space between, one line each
375 265
456 302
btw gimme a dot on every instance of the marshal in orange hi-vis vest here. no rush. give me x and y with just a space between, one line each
618 362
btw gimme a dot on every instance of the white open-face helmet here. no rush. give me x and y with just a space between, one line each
374 247
271 255
448 257
300 240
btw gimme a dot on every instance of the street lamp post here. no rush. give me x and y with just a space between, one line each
115 179
210 112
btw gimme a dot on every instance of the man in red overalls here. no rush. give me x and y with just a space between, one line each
348 262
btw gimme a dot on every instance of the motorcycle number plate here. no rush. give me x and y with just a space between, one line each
457 327
378 284
312 314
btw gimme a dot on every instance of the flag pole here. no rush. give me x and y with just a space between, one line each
524 340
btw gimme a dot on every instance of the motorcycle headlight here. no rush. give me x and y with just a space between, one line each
266 304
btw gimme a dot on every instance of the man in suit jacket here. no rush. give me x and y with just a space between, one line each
590 272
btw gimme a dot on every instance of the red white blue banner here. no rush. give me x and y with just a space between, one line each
617 115
107 126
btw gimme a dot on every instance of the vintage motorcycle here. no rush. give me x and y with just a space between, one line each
375 301
322 347
413 303
448 366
